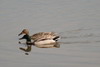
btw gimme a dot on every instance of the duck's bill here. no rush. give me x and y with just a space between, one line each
19 34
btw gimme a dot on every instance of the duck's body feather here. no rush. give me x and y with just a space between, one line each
44 35
47 44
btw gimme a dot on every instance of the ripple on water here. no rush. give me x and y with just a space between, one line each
80 36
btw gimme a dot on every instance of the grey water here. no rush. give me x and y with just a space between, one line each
76 21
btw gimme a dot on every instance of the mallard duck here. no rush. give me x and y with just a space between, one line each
41 39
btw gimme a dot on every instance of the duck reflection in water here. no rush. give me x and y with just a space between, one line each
29 46
26 50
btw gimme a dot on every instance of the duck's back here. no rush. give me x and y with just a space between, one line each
43 35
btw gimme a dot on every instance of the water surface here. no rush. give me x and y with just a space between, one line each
76 21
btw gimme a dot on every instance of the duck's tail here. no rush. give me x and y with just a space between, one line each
56 38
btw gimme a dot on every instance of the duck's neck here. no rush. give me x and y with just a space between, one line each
27 37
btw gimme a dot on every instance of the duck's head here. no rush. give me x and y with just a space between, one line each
25 31
26 35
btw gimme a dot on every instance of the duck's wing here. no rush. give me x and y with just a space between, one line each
44 35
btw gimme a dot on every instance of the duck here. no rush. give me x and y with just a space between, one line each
41 39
